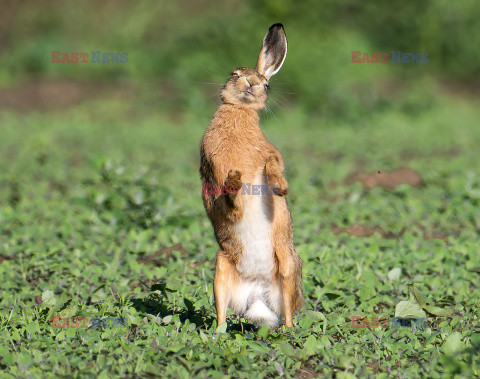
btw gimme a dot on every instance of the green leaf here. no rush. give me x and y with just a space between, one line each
6 356
407 309
65 305
32 327
286 348
453 344
203 337
345 375
305 322
474 269
263 331
475 339
437 311
69 312
310 345
261 348
167 319
279 368
394 274
60 336
222 328
318 316
49 299
416 296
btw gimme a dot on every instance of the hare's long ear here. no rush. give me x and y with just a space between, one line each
273 52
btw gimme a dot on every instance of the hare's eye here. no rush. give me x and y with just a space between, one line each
233 74
266 87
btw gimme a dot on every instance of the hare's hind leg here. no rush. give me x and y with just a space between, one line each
225 279
289 268
290 272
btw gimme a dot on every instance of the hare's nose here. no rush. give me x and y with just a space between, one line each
249 84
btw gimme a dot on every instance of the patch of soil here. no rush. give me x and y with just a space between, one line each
158 259
428 236
4 257
460 89
389 180
308 370
364 231
357 230
9 8
374 367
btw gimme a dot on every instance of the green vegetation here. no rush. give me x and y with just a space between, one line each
100 197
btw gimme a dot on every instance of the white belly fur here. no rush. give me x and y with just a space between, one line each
254 232
257 296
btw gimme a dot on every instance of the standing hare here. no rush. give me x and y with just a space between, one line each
258 274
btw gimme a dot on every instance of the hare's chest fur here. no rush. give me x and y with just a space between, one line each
254 231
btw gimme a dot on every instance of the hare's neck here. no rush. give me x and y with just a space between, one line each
227 107
236 116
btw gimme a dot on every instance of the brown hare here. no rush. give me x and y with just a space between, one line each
258 274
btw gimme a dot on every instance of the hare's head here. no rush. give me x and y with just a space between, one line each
248 87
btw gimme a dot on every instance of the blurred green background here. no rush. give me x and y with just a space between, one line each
175 49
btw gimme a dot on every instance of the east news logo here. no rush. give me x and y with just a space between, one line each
397 57
96 57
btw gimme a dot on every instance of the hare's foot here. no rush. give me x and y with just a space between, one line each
275 178
280 189
233 182
231 190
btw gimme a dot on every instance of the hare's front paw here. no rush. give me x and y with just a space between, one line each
233 182
280 188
